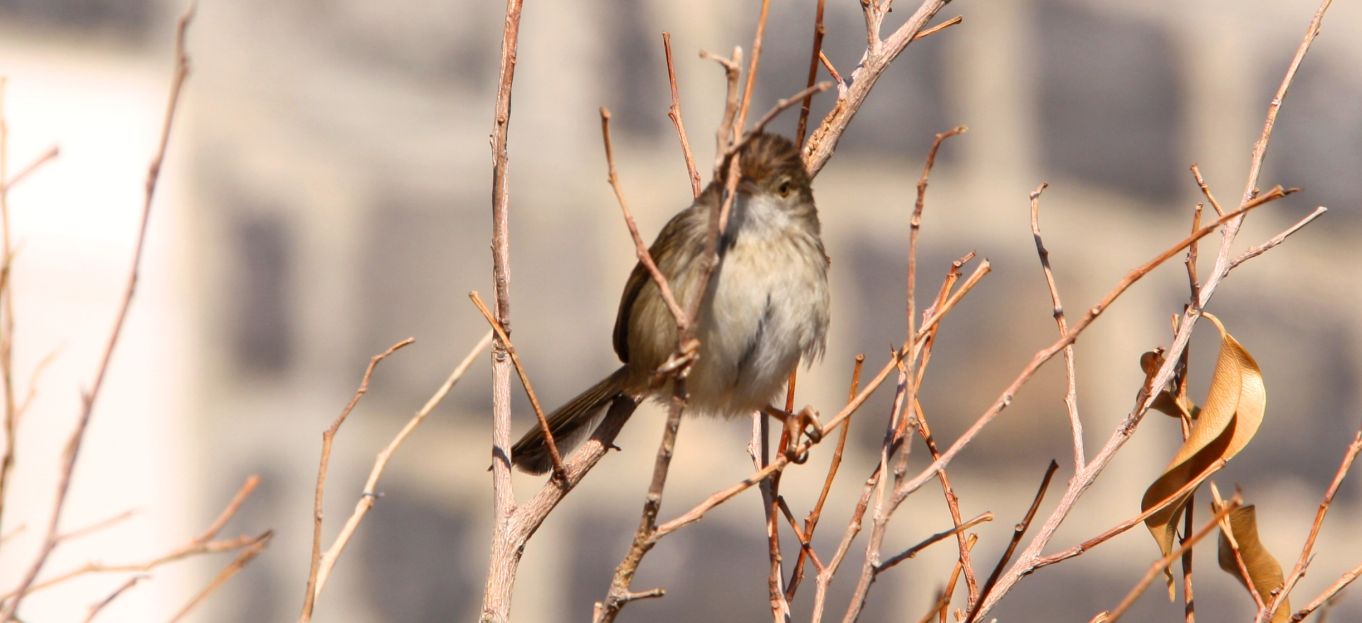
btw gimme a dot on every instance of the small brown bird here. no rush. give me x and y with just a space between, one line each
765 307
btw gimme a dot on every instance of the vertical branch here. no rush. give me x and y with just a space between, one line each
7 324
674 113
1071 390
806 105
504 559
915 373
752 70
760 449
811 520
72 450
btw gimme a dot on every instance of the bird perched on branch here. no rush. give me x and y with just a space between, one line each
766 304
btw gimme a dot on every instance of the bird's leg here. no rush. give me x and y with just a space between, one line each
804 423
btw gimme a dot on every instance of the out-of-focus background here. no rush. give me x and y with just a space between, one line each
327 194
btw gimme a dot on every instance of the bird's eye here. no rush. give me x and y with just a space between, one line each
785 188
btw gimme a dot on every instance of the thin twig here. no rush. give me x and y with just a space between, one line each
1026 561
28 169
811 520
329 438
879 54
1206 190
1018 531
247 554
646 536
752 67
817 51
914 230
505 340
674 113
931 540
11 421
1192 282
1125 429
1271 243
1183 491
645 257
1227 532
1071 389
760 449
1188 598
201 544
73 444
71 535
370 495
1298 571
780 106
893 448
1231 231
101 604
1341 583
1155 569
1004 399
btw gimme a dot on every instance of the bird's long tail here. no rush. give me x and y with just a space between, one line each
569 424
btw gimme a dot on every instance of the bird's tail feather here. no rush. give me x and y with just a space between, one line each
569 425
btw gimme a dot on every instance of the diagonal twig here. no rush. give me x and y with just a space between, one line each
73 444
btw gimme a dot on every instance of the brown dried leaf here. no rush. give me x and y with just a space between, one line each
1265 571
1229 418
1174 407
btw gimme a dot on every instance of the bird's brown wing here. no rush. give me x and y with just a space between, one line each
670 259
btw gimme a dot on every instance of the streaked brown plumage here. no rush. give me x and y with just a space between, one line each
766 305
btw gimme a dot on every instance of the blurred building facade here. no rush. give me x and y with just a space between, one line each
331 177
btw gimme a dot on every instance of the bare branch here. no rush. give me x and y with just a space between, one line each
1018 532
931 540
47 156
674 113
1307 550
201 544
1163 563
1071 391
97 607
73 444
641 248
817 52
369 496
496 598
247 554
329 438
1278 239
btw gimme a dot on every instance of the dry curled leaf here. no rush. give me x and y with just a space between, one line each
1262 568
1228 419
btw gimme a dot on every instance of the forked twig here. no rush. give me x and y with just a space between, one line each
369 496
328 439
